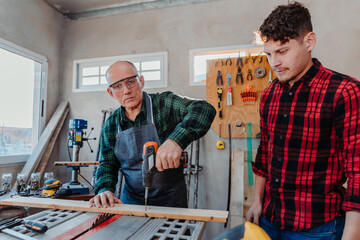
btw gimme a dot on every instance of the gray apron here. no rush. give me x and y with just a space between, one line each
168 187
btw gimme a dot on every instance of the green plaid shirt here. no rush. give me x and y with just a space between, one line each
178 118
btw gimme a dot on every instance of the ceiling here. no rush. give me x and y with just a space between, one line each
78 9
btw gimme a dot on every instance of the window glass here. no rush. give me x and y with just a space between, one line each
21 102
89 74
150 65
90 71
151 76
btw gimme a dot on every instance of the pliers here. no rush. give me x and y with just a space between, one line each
229 59
239 75
219 79
239 61
219 60
249 76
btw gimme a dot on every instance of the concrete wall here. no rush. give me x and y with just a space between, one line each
36 26
179 29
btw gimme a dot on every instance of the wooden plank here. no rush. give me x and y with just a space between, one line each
125 209
45 159
75 163
40 147
237 188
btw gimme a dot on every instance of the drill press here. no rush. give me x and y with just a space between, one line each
75 141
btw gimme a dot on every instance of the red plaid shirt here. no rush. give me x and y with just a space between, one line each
310 145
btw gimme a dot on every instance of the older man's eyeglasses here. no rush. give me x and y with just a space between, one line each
129 82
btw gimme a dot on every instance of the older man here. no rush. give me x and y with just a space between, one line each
170 120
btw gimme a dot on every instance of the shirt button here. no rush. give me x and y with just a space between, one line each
285 115
281 137
277 180
279 159
290 93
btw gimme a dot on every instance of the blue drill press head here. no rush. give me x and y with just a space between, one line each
76 127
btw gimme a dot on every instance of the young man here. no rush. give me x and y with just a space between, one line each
170 120
310 138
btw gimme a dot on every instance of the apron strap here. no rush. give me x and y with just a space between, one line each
149 111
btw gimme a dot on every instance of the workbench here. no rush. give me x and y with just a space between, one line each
65 224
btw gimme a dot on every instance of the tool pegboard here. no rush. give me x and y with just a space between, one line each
245 98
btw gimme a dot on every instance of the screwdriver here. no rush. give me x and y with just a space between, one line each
32 225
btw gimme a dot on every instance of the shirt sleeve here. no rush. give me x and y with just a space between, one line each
347 123
107 172
193 118
259 167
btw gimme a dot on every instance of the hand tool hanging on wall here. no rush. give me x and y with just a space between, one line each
229 181
249 150
228 60
189 172
249 76
239 75
219 61
270 76
260 59
197 169
219 92
229 93
239 61
93 179
220 144
238 125
219 80
260 72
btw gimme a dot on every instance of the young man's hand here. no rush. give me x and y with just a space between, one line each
254 212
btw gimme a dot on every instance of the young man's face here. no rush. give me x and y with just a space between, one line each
290 60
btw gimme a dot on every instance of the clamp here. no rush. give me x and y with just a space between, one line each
249 76
219 79
239 75
229 59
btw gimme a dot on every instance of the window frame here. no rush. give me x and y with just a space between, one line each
201 51
39 114
79 64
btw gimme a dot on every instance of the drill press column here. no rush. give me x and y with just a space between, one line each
75 141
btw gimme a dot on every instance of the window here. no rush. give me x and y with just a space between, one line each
22 101
198 58
89 74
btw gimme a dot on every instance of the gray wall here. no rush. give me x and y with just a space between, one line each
36 26
179 29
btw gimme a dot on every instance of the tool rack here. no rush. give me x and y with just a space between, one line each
239 111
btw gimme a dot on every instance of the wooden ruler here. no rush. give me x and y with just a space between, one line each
125 209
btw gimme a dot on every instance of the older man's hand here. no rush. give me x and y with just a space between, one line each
104 199
168 155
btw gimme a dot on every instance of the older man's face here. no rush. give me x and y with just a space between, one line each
128 92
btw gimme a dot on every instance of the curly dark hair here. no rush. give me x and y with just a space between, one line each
286 22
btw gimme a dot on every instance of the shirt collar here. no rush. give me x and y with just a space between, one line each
309 75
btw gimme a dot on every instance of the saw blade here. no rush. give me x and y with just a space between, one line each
100 219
